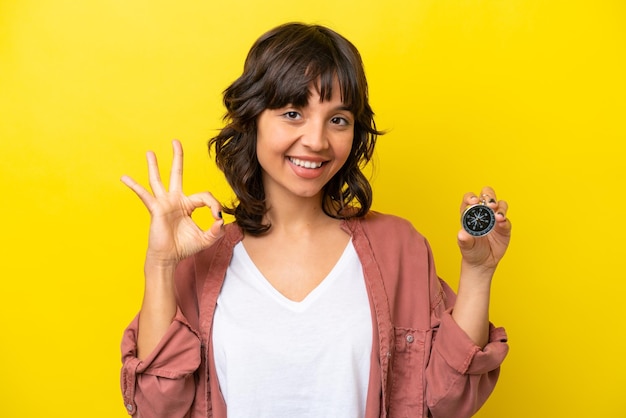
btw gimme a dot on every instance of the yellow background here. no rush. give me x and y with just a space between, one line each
527 96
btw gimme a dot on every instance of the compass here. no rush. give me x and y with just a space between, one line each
478 220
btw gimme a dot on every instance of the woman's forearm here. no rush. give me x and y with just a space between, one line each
158 308
471 310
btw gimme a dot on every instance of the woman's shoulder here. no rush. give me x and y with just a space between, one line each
388 227
388 222
393 242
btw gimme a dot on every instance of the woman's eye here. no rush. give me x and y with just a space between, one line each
339 120
291 115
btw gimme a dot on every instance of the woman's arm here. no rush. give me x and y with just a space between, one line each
173 236
160 348
481 256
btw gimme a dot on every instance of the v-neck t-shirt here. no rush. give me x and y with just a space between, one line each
276 357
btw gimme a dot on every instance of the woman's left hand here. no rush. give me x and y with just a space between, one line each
486 252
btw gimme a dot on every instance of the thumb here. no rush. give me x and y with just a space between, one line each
216 230
212 234
465 240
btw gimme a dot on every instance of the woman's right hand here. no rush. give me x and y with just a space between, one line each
174 235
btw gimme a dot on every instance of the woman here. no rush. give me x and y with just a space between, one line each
309 304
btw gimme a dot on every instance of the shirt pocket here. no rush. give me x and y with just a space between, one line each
407 373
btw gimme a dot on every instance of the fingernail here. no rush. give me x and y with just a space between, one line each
492 200
501 214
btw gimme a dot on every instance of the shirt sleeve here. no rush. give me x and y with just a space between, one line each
163 384
460 375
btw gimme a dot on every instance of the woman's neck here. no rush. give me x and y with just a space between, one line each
297 215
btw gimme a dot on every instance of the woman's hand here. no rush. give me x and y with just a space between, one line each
486 252
173 234
481 256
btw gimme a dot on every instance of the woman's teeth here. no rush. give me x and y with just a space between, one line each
305 164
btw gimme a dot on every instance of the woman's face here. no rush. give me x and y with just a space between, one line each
301 148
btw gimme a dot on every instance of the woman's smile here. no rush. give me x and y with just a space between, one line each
305 163
301 148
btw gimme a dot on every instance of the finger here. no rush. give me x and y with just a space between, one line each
176 173
502 208
468 200
502 221
139 190
489 196
207 199
154 177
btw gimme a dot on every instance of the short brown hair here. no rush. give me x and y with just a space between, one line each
279 70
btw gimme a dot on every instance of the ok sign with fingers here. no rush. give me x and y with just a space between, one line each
173 233
173 236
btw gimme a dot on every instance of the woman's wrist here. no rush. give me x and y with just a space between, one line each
157 262
479 273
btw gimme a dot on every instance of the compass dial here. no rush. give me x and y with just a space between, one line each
478 220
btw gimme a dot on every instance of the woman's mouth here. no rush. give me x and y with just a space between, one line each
305 163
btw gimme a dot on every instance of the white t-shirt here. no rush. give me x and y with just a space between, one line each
279 358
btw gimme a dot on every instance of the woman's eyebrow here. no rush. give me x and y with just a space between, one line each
343 107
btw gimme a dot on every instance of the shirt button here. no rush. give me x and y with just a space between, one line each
410 338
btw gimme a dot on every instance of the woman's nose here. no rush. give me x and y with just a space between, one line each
314 136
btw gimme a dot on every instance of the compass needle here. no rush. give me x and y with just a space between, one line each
478 220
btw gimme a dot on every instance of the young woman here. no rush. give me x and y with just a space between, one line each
309 304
